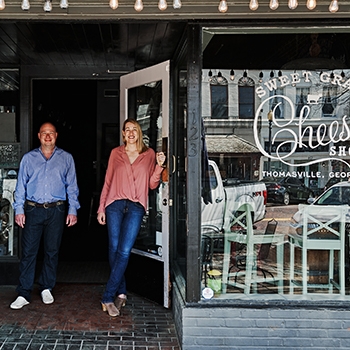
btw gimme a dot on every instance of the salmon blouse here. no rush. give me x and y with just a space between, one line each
129 181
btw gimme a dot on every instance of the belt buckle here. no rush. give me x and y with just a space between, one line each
46 205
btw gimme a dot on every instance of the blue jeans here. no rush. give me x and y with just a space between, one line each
47 223
124 219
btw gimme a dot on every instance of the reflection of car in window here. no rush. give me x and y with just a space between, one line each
286 190
336 195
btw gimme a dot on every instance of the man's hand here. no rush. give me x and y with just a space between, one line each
71 220
20 220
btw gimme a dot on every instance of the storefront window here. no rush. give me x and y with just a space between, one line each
275 227
9 160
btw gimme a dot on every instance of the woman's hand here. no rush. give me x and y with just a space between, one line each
160 156
101 218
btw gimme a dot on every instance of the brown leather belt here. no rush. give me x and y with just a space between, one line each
45 205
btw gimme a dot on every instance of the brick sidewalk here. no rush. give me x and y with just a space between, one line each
75 321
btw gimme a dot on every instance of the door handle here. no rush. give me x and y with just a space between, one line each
174 164
165 202
218 200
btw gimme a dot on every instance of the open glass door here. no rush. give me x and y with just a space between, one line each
144 96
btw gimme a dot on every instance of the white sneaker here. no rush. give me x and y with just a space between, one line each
47 297
19 303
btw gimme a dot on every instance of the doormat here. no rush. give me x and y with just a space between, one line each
83 272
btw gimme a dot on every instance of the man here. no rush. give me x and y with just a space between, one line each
46 178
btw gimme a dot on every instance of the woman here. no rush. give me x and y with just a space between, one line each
133 169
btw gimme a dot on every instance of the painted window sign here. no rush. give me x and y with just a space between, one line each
284 143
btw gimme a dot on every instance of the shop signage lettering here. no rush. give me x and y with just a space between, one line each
297 134
296 78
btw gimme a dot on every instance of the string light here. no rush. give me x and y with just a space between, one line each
113 4
177 4
47 6
138 5
25 5
253 5
293 4
223 6
162 5
64 4
333 7
274 5
311 4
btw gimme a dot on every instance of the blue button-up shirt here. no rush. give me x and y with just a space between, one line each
44 180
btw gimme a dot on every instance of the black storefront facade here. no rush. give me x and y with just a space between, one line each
289 62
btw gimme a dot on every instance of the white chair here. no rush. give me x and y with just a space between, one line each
322 228
242 233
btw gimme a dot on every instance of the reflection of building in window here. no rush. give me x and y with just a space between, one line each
219 101
329 101
219 97
246 96
301 99
276 103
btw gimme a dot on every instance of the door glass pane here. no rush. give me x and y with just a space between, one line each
146 102
10 154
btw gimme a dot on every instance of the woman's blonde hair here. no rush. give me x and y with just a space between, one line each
141 147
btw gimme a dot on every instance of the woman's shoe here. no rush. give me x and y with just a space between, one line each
120 302
111 309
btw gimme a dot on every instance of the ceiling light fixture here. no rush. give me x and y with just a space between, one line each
210 75
113 4
223 7
25 5
162 5
261 75
47 6
333 7
254 5
220 78
293 4
64 4
311 4
138 5
274 5
177 4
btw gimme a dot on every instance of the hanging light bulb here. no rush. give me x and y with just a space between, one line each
272 74
210 74
138 5
220 78
333 7
113 4
311 4
261 75
177 4
25 5
342 74
245 74
47 6
279 73
64 4
162 5
274 5
223 6
253 5
232 75
2 4
293 4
